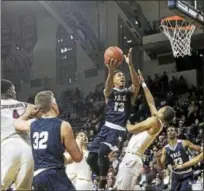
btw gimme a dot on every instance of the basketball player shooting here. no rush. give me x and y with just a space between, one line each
176 153
145 133
50 136
118 105
16 154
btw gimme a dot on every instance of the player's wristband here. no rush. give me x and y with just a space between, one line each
144 84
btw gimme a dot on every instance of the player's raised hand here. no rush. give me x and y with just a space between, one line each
141 78
128 57
32 110
112 64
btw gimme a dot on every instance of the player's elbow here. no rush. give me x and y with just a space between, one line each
129 128
18 125
132 129
107 92
78 157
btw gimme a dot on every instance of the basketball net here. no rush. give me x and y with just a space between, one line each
179 33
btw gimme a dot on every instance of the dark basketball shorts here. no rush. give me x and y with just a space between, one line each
51 180
181 182
112 137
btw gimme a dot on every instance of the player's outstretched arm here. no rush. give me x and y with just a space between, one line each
142 126
135 81
23 122
148 95
68 139
111 65
190 145
191 162
161 158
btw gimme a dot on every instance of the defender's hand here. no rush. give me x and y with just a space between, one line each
141 78
31 110
128 57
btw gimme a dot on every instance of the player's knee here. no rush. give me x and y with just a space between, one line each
92 158
104 151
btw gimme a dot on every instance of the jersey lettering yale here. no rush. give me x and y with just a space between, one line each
177 155
118 107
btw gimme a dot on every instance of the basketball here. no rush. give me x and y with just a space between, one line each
113 52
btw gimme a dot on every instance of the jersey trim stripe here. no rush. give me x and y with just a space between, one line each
114 126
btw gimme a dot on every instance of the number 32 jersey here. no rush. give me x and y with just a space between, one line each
48 150
10 110
118 106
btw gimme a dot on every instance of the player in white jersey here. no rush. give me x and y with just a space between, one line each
70 168
16 153
81 172
145 133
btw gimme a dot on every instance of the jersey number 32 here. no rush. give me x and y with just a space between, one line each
40 140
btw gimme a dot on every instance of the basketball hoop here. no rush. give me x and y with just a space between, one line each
179 33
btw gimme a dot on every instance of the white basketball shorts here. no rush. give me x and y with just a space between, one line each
129 170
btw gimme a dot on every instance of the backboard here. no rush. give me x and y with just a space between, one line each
193 10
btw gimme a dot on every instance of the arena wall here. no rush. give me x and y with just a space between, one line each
44 55
151 67
155 10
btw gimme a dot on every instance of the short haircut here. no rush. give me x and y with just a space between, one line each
169 114
81 131
117 71
172 127
44 100
5 86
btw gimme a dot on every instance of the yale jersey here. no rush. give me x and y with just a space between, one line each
10 110
48 151
118 107
177 155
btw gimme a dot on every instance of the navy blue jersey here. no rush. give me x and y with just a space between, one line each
45 134
177 155
118 107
